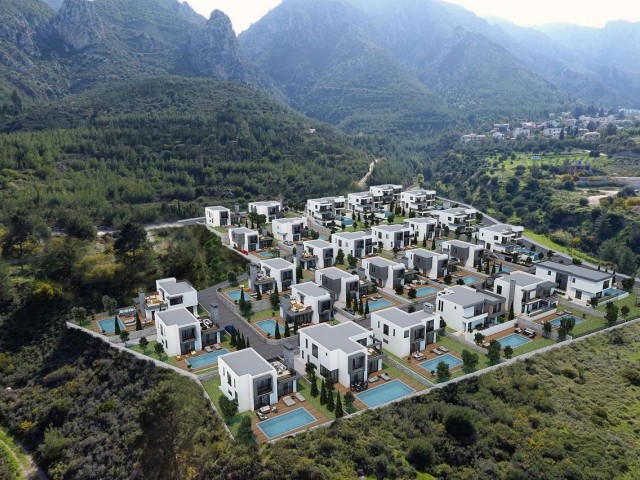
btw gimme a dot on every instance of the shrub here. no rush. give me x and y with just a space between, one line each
459 423
420 454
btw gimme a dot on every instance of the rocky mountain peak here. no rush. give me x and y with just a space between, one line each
77 25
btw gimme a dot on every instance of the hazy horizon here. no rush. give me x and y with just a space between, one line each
541 12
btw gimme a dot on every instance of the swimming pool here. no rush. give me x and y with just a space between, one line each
269 326
556 321
424 291
469 280
432 365
378 304
235 295
384 393
514 340
614 291
505 268
268 254
286 422
108 325
529 253
206 359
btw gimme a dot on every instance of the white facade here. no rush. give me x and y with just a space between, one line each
217 216
417 200
552 132
361 202
244 239
425 227
289 229
403 333
340 352
468 254
170 294
500 237
358 244
178 331
311 295
463 308
578 282
248 378
271 209
325 209
527 293
320 251
385 195
338 282
282 271
392 236
456 219
384 273
430 264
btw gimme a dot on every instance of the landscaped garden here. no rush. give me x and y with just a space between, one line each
212 388
151 351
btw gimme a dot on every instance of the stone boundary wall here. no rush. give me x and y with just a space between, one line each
582 308
408 371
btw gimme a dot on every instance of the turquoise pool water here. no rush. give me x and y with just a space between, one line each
269 326
235 295
206 359
378 304
514 340
286 422
529 253
384 393
505 268
614 291
468 280
423 291
447 358
268 254
108 325
556 321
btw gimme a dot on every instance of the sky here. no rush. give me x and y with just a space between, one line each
525 13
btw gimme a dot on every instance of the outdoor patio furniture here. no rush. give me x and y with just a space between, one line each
261 417
289 402
217 346
437 352
518 330
208 348
274 409
374 379
193 353
300 397
443 349
265 409
385 377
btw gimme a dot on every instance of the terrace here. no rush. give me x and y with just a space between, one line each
528 344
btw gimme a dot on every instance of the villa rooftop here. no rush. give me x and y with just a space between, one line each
247 362
463 296
421 252
318 243
290 220
311 289
461 244
383 262
578 271
337 337
334 273
176 288
180 317
242 230
266 203
401 318
277 263
351 235
428 220
524 279
503 228
391 228
218 207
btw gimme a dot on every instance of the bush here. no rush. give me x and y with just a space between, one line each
420 454
459 423
632 376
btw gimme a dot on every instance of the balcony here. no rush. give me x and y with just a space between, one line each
264 390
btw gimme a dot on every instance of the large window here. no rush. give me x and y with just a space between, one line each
314 350
175 301
385 329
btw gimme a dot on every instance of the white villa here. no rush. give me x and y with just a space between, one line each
428 263
385 195
458 220
248 378
527 293
339 283
500 237
169 295
391 237
325 209
361 202
289 229
178 331
315 254
384 273
418 201
345 353
464 308
307 303
273 272
217 216
271 209
358 244
425 227
403 333
577 281
247 240
467 254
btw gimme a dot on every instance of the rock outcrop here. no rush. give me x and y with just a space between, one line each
77 25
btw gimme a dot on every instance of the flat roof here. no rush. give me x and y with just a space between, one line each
180 317
578 271
524 279
217 207
456 210
277 263
242 230
460 243
501 228
336 337
463 296
421 220
421 252
390 228
401 318
266 203
311 289
290 220
351 235
335 272
362 194
421 191
176 288
247 362
326 199
382 262
318 243
386 186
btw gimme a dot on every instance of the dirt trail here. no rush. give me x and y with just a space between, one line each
363 181
594 200
27 466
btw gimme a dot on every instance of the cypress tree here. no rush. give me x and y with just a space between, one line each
339 411
323 393
433 243
366 308
277 335
247 345
314 386
116 329
138 322
287 332
234 341
348 300
361 307
331 405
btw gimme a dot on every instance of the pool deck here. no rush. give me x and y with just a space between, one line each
360 405
131 327
282 409
181 360
429 355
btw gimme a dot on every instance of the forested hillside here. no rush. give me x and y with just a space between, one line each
163 148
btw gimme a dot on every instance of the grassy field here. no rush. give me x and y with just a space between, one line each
304 387
150 352
630 301
548 243
12 461
536 344
212 387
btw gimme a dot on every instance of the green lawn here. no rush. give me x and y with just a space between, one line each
152 353
450 343
264 314
630 301
304 387
536 344
548 243
212 387
11 455
591 322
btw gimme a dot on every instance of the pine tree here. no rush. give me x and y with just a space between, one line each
277 335
339 411
323 393
116 329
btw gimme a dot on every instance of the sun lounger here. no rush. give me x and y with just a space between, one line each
217 346
261 417
300 397
374 379
208 348
443 349
274 409
437 352
385 377
288 401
